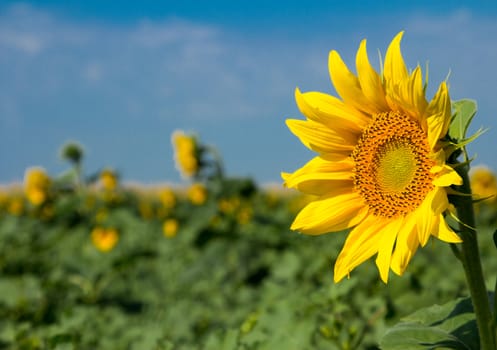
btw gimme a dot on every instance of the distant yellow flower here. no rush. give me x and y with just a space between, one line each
380 168
197 194
112 197
483 183
104 239
170 228
244 215
186 153
108 180
47 212
90 201
215 221
228 205
15 206
36 185
272 199
167 198
146 208
101 215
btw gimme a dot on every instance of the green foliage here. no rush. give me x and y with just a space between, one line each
450 326
220 283
464 111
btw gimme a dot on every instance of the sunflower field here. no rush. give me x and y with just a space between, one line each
219 262
90 263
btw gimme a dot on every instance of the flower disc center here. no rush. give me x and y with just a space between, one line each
396 167
392 165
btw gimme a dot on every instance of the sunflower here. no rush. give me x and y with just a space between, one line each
104 239
167 198
483 184
108 180
170 228
186 153
381 166
36 185
197 193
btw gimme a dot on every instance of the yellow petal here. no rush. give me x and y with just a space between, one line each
319 175
320 138
438 115
440 201
446 176
445 233
285 176
409 95
406 245
395 70
385 247
417 92
330 214
361 244
299 178
347 85
428 213
404 92
370 80
323 187
329 110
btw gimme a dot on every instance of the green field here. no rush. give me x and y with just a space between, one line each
231 276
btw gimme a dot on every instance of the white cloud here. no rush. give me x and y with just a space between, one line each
93 72
155 35
28 43
29 30
181 68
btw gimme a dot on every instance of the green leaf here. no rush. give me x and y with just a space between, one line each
464 111
449 326
230 339
463 142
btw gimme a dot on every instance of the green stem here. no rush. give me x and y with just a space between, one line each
472 265
218 161
495 307
78 170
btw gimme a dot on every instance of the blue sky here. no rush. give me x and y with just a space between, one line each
121 76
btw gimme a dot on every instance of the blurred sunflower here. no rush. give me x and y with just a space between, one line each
36 185
228 205
186 153
197 194
146 208
245 214
101 215
381 167
483 184
167 197
104 239
108 180
15 206
170 228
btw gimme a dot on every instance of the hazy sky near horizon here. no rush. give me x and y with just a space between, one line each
120 77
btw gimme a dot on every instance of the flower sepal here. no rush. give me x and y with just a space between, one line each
464 112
